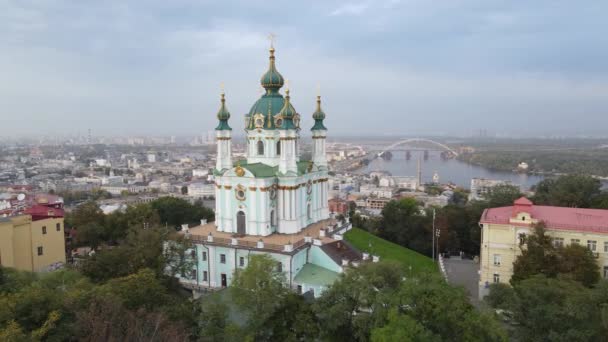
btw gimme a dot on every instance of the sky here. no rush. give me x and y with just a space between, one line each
384 67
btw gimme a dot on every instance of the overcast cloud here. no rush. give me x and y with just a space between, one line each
385 67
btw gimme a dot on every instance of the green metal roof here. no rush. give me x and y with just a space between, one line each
269 105
261 170
223 115
272 79
312 274
319 116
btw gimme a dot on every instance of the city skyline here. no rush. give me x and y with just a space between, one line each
426 68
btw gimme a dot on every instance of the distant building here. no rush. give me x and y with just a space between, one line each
338 206
504 229
200 190
376 203
481 187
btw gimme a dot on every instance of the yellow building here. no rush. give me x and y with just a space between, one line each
504 228
31 245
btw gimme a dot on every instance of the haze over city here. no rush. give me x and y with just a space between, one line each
384 67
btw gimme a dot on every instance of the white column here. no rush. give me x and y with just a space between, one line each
318 152
224 146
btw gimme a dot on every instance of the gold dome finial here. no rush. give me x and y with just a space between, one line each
287 88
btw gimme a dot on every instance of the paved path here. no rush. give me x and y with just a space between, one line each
463 273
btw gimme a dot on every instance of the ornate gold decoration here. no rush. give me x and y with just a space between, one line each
239 170
258 120
239 192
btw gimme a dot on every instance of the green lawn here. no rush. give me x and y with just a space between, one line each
386 250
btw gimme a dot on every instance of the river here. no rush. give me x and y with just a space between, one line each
450 170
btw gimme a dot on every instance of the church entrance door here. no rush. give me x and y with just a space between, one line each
240 223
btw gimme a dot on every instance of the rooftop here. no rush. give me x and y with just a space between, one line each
578 219
273 241
316 275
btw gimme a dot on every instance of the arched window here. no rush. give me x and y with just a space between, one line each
260 148
272 218
278 148
308 211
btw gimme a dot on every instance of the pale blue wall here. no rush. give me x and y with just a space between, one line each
318 257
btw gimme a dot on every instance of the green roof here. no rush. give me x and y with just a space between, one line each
272 79
261 170
318 116
223 115
269 105
312 274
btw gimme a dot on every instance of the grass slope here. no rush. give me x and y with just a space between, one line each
390 251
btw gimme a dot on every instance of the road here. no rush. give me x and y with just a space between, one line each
463 273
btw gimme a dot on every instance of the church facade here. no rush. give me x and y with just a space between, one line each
272 202
273 190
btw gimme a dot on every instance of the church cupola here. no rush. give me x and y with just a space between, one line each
223 115
287 117
318 116
223 136
272 80
318 136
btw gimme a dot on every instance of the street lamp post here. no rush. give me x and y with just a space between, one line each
433 234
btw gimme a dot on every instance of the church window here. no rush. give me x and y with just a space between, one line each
222 258
308 211
260 148
278 148
193 274
241 261
204 256
272 218
204 275
280 267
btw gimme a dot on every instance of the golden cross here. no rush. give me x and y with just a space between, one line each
318 89
222 87
272 38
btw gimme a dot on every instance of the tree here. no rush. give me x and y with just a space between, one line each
579 263
578 191
357 302
90 234
176 211
402 328
557 310
88 212
503 195
213 321
403 223
258 289
501 296
538 256
446 311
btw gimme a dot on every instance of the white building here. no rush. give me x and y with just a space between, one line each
481 187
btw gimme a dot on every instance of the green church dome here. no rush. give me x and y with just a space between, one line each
287 114
319 116
272 79
223 115
269 105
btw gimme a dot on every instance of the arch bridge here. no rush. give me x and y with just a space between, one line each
414 140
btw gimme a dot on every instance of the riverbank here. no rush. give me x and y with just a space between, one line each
544 163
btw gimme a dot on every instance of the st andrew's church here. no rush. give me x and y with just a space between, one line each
273 202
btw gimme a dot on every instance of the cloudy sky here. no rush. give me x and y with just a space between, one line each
410 67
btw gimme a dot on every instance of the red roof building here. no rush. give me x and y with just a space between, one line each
577 219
